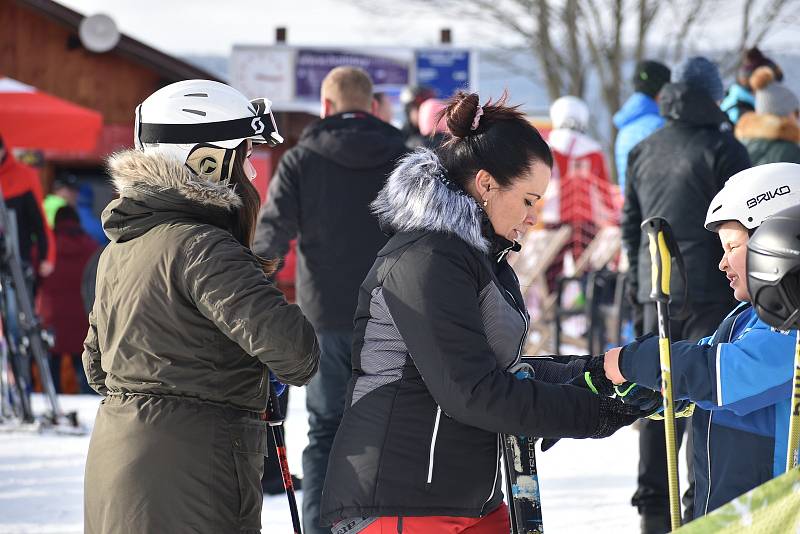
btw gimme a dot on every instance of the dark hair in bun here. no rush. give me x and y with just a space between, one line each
503 142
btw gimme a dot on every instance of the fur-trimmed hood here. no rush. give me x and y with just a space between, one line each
155 189
771 127
417 196
133 168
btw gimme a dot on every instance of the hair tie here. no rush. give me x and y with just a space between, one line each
440 175
477 118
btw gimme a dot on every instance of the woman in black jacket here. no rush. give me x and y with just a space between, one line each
440 322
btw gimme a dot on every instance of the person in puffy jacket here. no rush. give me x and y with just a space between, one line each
639 115
439 329
740 98
320 195
186 327
771 133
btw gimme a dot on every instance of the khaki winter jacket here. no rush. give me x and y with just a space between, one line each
184 330
181 307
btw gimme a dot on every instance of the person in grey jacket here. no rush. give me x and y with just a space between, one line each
186 326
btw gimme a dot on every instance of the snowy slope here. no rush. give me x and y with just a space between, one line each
586 485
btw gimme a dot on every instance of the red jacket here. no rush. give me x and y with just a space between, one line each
58 301
576 155
22 192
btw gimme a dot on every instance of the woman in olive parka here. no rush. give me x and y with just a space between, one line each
186 326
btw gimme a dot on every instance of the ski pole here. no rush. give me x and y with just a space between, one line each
794 417
661 252
275 421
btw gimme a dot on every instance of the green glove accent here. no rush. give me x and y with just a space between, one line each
587 376
626 391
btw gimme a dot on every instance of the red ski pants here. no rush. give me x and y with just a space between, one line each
496 522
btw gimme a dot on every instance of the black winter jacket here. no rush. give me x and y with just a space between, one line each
675 173
320 194
440 320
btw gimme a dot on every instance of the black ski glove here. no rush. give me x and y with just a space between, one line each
614 415
652 401
594 379
645 399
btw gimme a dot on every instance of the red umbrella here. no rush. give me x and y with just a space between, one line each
30 118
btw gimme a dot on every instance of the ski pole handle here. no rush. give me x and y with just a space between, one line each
275 416
658 230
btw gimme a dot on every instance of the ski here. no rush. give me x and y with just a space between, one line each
32 337
521 477
522 484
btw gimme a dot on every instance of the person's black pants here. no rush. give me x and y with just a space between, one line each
652 493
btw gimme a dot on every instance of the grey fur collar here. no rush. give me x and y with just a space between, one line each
133 168
415 199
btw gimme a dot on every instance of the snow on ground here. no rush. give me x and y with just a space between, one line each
586 484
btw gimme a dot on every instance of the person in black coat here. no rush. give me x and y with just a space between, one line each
320 194
439 330
674 173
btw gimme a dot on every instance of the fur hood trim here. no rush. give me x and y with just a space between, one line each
133 168
417 197
764 126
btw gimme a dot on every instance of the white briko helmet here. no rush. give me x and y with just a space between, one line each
752 195
200 123
570 112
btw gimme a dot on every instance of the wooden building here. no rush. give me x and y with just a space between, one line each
39 46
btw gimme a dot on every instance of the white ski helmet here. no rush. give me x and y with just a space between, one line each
752 195
200 123
570 112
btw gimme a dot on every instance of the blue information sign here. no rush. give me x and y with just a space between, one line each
445 71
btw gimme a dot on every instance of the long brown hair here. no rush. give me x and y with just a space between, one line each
244 219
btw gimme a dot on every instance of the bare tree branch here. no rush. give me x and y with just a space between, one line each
647 11
758 29
576 40
575 67
546 52
691 15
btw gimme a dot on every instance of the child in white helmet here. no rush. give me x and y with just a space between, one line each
739 378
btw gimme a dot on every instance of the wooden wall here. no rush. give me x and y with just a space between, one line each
41 52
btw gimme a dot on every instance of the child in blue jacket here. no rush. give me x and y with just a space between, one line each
740 377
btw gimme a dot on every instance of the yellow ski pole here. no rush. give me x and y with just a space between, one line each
794 417
659 235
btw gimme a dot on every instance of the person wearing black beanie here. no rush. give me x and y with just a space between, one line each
649 77
639 116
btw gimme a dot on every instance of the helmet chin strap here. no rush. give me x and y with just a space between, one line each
211 163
